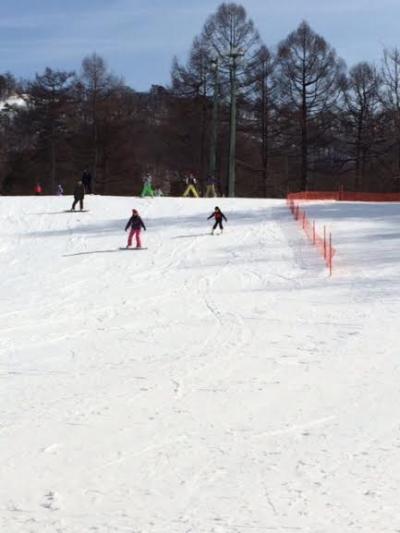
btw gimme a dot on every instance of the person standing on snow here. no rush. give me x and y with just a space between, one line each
191 183
147 186
79 195
218 216
210 190
136 224
60 190
38 189
87 181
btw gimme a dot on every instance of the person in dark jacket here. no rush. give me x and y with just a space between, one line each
79 195
218 216
87 181
191 183
136 224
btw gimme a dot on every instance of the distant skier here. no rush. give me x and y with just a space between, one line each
136 224
60 190
38 189
87 181
147 186
211 182
191 183
79 195
218 216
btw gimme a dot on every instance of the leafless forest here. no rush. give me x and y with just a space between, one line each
303 119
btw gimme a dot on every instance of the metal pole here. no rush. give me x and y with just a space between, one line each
214 123
232 130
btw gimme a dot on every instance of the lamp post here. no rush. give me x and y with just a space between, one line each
214 121
234 54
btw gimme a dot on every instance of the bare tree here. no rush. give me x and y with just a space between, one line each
264 95
310 75
362 101
229 33
98 83
194 82
232 38
390 98
49 99
8 85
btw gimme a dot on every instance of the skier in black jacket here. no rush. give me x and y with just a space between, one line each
218 216
136 224
79 195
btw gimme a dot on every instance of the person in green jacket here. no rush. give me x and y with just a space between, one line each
147 187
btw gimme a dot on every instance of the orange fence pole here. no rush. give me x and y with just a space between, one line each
325 244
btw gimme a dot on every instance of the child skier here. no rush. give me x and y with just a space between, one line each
219 216
136 224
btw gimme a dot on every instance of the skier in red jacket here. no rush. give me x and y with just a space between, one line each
218 216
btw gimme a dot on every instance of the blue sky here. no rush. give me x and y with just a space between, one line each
138 38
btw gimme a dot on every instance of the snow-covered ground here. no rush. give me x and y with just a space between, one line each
208 384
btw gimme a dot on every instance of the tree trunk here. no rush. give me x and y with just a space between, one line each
304 143
358 154
53 163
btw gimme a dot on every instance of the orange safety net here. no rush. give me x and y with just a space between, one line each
369 197
345 196
314 195
323 243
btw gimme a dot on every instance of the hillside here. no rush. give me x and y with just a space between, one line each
208 384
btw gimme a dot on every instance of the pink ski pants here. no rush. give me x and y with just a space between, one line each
136 233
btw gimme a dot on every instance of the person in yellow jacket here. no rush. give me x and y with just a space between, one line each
191 183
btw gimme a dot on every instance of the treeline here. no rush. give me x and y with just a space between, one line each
303 120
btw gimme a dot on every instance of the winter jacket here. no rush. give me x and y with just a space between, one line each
190 180
135 222
79 191
218 215
86 178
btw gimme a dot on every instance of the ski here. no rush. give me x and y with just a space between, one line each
133 248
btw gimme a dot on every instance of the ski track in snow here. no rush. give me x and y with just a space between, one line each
209 384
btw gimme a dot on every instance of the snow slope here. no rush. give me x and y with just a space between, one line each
210 384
